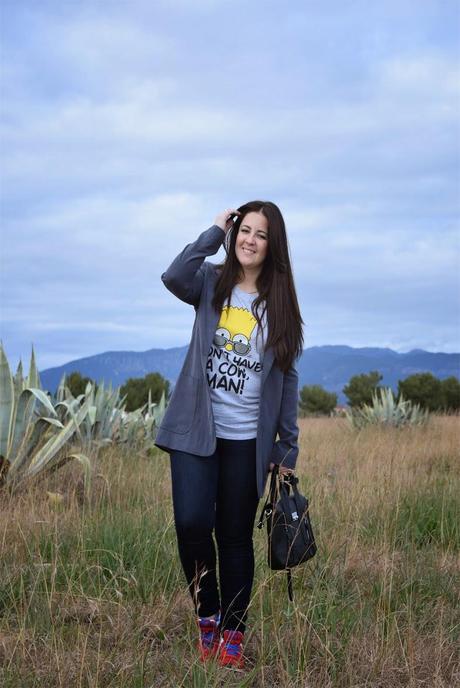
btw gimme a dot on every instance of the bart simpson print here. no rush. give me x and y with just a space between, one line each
230 354
234 329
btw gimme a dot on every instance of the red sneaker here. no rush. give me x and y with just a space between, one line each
231 650
208 642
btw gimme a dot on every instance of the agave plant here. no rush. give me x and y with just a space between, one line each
386 410
138 428
107 420
32 436
156 411
100 425
32 379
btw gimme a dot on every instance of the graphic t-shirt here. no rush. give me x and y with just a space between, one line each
234 367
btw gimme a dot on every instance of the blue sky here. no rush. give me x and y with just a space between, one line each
126 127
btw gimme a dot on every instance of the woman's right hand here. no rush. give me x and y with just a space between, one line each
224 219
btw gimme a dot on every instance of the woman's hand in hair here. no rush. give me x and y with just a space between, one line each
224 220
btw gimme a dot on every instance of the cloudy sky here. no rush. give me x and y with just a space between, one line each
127 126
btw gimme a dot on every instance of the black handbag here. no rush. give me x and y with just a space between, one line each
290 536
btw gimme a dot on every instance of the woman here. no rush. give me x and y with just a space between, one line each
238 389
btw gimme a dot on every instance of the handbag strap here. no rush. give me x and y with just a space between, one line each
289 585
268 508
290 482
275 490
271 497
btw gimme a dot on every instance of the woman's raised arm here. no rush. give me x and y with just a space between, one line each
184 277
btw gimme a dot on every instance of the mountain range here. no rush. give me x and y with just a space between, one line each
330 366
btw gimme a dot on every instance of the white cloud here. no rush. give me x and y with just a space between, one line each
420 77
124 133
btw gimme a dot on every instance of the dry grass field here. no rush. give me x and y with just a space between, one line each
91 591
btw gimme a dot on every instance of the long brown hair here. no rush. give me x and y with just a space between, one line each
275 285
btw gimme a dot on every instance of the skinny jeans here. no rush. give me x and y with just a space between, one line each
217 493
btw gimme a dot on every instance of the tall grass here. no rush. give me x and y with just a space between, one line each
92 594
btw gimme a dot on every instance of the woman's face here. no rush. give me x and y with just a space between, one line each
251 243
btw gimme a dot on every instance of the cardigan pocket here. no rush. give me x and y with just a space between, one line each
183 405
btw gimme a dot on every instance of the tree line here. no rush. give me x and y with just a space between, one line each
136 389
421 388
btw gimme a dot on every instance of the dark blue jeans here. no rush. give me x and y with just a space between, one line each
219 493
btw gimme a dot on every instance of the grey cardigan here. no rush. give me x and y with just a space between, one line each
188 422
